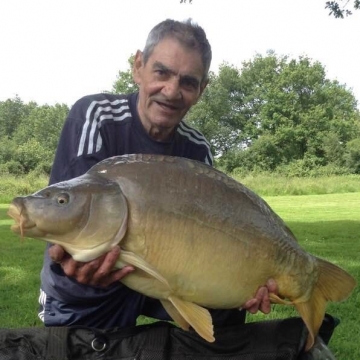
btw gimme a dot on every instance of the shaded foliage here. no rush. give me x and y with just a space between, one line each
352 155
29 135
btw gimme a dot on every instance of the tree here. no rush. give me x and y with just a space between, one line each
44 124
7 149
216 113
274 111
12 113
124 83
352 155
31 153
341 11
36 139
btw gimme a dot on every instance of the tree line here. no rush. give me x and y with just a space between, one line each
280 114
274 114
29 134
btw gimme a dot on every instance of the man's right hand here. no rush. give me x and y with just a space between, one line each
98 272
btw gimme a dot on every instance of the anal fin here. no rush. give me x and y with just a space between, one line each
198 317
175 315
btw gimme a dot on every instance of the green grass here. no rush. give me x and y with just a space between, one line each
11 186
326 225
274 184
20 265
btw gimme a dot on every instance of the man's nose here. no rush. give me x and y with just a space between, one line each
172 89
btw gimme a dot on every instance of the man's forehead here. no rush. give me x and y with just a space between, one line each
173 55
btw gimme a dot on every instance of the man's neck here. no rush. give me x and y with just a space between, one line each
159 134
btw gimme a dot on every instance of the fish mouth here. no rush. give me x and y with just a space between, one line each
22 222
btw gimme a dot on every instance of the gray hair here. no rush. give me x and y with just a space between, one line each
187 33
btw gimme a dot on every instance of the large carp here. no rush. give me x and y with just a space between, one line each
197 238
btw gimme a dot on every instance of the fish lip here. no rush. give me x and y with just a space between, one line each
23 227
14 212
22 221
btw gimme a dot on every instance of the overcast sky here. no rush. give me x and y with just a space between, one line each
60 50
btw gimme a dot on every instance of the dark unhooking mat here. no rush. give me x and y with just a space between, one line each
268 340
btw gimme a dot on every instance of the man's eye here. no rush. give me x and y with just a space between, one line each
160 72
190 84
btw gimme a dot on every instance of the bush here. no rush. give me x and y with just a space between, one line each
32 154
43 168
302 168
12 186
4 170
14 167
352 156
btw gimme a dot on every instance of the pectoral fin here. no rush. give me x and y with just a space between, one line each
198 317
129 258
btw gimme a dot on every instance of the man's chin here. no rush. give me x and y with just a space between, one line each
166 119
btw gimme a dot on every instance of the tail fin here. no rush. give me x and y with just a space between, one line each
334 284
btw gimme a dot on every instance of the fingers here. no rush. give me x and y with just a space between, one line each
265 305
115 276
251 306
56 253
104 274
98 272
261 301
272 286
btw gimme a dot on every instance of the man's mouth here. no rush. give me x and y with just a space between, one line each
168 106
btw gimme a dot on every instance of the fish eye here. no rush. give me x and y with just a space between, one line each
63 199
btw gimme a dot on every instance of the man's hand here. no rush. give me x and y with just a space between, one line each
98 272
262 301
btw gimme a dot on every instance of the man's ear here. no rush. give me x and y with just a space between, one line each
137 67
202 88
203 85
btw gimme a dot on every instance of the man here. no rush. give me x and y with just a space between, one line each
171 74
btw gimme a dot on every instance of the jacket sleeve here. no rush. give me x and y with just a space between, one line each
69 161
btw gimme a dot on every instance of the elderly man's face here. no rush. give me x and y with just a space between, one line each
170 83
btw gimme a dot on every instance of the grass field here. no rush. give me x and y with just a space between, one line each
326 225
